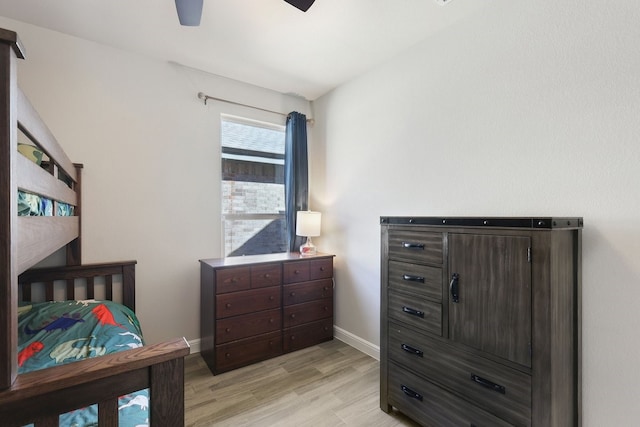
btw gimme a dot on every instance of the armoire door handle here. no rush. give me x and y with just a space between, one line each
453 288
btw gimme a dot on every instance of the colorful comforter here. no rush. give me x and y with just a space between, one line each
57 333
33 205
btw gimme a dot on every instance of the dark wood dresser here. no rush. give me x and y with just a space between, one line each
257 307
481 320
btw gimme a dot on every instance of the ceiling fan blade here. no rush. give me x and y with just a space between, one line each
303 5
189 12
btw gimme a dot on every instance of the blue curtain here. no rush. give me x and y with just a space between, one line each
296 174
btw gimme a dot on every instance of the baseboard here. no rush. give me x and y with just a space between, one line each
340 334
356 342
195 345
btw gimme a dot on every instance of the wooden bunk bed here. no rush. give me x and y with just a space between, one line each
40 396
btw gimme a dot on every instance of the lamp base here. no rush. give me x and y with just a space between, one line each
308 248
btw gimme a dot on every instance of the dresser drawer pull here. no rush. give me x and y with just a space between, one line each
488 384
406 390
409 245
410 278
412 350
413 312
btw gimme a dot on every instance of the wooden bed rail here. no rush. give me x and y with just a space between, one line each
41 396
87 272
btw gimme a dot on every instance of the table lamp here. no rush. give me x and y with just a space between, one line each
308 225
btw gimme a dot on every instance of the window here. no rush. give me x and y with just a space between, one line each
253 200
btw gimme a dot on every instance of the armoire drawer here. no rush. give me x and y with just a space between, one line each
415 246
307 334
307 312
420 313
420 279
247 325
243 302
425 401
504 391
308 291
250 350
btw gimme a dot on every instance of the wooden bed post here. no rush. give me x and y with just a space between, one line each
74 248
10 50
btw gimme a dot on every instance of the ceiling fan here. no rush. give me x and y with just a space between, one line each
190 11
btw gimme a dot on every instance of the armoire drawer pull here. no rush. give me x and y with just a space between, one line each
406 390
413 312
410 278
409 245
412 350
488 384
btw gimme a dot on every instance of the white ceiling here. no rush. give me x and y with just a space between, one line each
268 43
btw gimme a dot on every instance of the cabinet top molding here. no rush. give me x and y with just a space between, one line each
500 222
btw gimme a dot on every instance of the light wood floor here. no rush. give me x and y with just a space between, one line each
331 384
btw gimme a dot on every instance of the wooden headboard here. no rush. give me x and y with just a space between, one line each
85 277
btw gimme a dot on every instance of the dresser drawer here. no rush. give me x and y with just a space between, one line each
244 302
240 353
504 391
307 312
233 279
416 278
247 325
420 313
320 268
263 276
307 335
308 291
415 246
425 401
297 271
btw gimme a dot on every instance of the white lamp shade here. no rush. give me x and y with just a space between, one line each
308 223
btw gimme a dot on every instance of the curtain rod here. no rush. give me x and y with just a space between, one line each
206 97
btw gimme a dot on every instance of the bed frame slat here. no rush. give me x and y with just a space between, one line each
90 288
26 292
32 248
109 287
108 413
47 422
48 289
71 289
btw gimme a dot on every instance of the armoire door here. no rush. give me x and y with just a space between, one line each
490 294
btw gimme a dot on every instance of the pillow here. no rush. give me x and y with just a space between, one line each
30 152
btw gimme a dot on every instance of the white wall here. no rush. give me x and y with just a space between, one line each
527 108
150 149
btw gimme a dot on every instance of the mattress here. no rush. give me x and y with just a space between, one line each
57 333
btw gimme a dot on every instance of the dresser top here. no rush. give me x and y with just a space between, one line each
260 259
509 222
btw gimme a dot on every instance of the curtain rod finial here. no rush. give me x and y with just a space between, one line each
203 97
